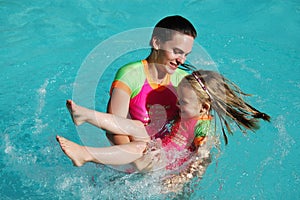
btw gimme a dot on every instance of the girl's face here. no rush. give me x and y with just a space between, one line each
172 53
188 102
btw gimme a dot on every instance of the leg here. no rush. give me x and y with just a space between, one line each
112 123
114 155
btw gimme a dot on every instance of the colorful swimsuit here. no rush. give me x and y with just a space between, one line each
184 133
184 137
156 106
149 102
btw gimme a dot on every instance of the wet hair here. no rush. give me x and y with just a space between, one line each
166 28
226 99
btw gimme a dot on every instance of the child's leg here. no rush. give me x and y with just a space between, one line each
113 155
109 122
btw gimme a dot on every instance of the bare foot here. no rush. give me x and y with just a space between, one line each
78 154
77 112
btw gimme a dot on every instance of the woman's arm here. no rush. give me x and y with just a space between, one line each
118 105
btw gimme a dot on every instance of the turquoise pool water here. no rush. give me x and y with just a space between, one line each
45 45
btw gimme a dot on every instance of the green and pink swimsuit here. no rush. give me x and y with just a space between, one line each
153 104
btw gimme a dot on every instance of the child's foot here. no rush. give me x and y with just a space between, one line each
77 112
78 154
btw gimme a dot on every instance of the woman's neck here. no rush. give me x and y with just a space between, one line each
154 68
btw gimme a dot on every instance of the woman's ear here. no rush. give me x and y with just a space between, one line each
155 43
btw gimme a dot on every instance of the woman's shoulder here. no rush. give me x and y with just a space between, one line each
131 74
130 71
132 66
178 75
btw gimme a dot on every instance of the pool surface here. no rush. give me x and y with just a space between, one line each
47 48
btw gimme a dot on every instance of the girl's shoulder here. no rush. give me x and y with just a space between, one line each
203 126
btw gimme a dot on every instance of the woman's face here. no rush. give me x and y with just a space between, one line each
172 53
188 102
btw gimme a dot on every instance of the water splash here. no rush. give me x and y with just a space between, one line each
285 141
41 93
282 146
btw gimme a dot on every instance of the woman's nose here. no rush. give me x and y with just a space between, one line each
181 59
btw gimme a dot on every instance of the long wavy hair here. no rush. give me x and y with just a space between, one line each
226 100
